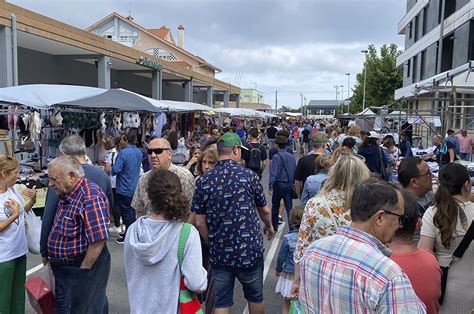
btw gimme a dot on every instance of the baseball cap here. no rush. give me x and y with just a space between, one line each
319 138
373 134
230 140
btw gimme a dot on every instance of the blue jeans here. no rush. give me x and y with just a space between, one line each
82 291
281 190
465 156
128 213
250 278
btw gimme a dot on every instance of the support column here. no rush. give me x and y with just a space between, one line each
237 101
103 72
210 94
157 84
6 57
188 91
226 99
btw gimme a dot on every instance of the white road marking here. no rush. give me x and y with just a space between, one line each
270 255
34 269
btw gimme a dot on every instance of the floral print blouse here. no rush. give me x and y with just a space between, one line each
322 215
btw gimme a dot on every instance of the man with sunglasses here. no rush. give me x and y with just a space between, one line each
159 154
415 177
351 271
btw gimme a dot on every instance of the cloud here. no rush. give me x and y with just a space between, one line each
286 45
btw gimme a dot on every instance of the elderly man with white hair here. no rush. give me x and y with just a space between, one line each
77 248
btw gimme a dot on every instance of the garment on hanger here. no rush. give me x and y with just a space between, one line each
161 121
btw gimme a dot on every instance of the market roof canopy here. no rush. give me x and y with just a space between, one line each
119 99
244 112
42 96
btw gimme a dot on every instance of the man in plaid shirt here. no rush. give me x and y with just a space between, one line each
77 252
350 272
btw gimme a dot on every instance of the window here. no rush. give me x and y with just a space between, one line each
424 22
416 28
410 28
422 64
408 64
415 68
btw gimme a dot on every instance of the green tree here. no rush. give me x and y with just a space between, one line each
383 78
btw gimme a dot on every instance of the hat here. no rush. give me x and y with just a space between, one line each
280 140
230 140
319 138
373 134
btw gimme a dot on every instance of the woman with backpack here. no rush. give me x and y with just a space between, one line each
155 266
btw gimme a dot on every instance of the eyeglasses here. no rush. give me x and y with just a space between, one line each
157 151
401 218
424 174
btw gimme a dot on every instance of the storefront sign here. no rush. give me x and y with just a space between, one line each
149 63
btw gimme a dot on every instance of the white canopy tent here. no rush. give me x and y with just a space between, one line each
243 112
43 96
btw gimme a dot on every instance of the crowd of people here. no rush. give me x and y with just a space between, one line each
192 214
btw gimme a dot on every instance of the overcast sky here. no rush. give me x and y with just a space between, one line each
291 46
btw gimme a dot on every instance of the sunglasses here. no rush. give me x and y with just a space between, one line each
424 174
401 218
157 151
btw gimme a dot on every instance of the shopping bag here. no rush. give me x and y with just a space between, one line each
296 307
40 290
33 231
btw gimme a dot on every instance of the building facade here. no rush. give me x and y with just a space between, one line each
433 67
322 108
250 95
46 51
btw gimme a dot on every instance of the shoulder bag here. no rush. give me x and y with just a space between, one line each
383 170
188 300
294 195
458 253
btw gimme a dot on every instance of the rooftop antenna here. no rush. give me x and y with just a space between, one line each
130 9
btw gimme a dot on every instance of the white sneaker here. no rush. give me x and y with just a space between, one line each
115 229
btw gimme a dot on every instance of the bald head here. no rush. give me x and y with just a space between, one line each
160 156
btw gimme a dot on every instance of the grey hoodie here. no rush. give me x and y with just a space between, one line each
151 265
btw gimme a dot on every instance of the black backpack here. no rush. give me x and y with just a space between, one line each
255 159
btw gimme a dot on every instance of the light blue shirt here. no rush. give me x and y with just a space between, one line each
127 168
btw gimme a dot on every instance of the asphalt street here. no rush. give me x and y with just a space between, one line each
117 285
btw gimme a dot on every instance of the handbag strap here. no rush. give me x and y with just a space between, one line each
465 242
284 167
183 238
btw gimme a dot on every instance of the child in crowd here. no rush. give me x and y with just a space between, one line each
285 267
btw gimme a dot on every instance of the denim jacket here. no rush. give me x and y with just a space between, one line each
312 186
285 261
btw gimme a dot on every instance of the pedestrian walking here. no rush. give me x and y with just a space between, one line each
227 202
285 267
13 241
350 271
127 169
444 226
425 274
77 248
159 153
151 249
281 180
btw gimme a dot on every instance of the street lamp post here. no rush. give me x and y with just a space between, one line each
365 78
348 89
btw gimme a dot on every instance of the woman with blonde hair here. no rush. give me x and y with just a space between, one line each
13 241
354 132
330 208
206 161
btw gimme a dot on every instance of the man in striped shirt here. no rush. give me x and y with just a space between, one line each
350 272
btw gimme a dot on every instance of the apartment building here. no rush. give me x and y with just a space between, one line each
439 44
